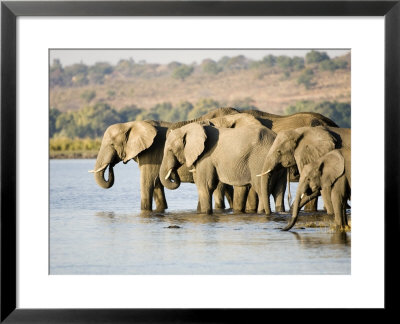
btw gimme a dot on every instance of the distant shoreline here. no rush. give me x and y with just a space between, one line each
73 155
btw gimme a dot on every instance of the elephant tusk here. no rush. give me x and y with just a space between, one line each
193 170
168 174
302 195
264 173
98 170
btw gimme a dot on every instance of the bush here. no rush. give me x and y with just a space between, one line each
298 63
339 112
210 67
316 57
182 72
332 65
284 62
202 107
269 60
88 95
129 113
244 104
306 77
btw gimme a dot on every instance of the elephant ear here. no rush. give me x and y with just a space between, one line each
331 166
139 137
194 139
311 144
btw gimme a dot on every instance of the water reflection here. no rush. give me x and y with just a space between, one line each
98 231
316 240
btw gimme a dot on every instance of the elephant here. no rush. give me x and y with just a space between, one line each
232 156
330 174
279 123
143 141
246 199
300 147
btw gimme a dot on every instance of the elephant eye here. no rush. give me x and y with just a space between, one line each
279 152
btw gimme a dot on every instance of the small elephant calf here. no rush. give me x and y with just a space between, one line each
330 174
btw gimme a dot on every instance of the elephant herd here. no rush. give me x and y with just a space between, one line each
245 156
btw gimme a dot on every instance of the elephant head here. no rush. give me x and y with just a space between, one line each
121 142
183 146
315 176
295 147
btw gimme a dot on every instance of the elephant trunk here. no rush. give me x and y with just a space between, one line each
295 212
170 179
101 181
104 159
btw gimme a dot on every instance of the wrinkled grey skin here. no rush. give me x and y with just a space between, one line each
246 199
330 174
300 147
282 123
143 141
232 156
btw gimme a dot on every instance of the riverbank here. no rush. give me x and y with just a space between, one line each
73 154
74 148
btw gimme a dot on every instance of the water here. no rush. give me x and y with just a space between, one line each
98 231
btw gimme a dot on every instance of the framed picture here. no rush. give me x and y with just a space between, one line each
39 37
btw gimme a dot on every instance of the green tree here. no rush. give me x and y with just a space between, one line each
179 112
182 72
88 95
269 60
316 57
125 67
244 104
306 78
239 62
284 62
129 113
339 112
210 67
332 65
53 115
202 107
298 63
98 71
162 110
57 75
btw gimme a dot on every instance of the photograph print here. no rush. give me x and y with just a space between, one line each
200 162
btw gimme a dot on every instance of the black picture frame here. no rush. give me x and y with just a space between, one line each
10 10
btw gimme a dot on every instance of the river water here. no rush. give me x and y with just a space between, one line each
98 231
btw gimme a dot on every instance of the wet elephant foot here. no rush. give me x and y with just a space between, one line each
219 206
251 211
237 211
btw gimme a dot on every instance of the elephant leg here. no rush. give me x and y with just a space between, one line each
159 198
252 201
198 206
312 205
229 194
279 202
239 198
338 203
205 200
146 191
219 196
326 197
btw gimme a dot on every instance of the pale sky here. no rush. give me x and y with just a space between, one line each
162 56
